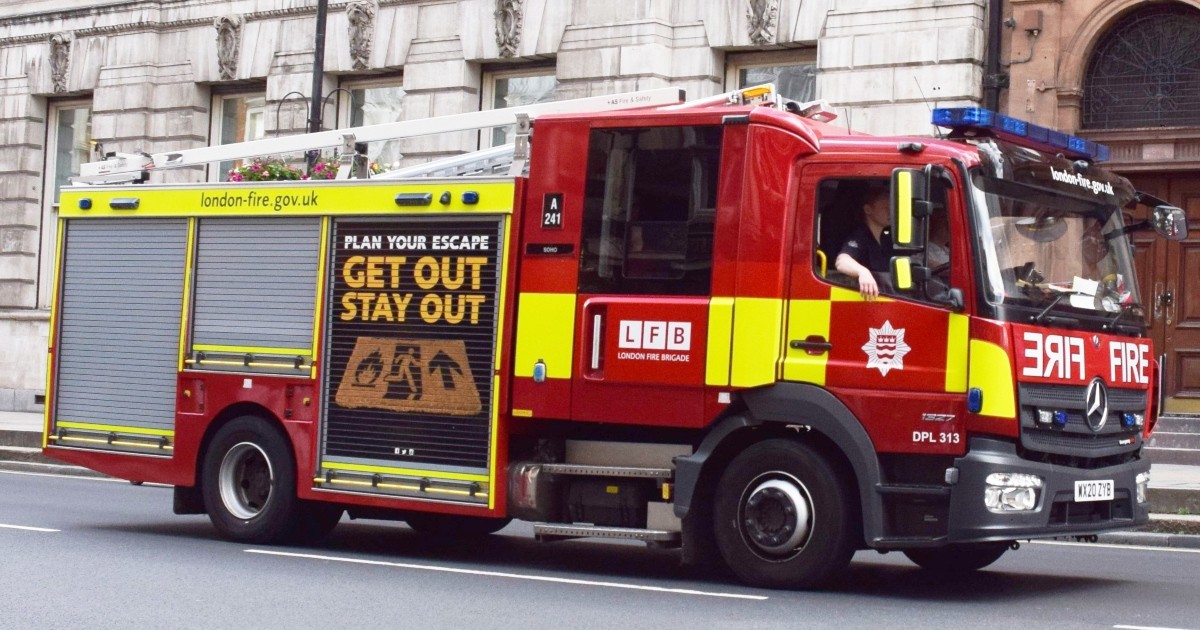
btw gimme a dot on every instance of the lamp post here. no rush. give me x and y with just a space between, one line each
314 116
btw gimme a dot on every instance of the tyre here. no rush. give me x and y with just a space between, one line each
249 483
783 518
960 558
314 523
449 526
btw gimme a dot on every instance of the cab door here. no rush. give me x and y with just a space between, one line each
645 275
899 361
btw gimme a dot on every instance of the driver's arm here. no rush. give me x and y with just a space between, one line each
867 285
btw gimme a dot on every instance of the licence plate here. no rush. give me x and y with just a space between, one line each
1098 490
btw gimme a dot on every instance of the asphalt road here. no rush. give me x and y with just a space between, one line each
92 553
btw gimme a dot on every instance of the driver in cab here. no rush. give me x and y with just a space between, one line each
868 248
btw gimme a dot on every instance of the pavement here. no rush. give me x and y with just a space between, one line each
1174 493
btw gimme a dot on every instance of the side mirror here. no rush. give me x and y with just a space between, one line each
1170 222
910 201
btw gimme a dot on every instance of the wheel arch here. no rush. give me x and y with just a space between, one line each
229 414
769 413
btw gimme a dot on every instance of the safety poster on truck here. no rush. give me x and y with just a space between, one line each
411 342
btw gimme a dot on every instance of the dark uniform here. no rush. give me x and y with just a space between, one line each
861 246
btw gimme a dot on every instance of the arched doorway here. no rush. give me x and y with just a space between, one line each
1142 82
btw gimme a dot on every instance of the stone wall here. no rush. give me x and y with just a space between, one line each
1046 48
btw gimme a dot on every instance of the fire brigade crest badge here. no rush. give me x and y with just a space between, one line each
886 349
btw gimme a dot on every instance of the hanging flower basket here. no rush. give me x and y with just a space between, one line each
275 169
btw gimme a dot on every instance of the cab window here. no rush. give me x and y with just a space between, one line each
841 228
649 210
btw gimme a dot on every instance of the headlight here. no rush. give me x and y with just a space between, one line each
1011 492
1143 482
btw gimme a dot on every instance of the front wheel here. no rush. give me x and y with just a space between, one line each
783 518
959 558
249 482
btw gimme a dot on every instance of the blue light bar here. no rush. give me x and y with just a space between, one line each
979 121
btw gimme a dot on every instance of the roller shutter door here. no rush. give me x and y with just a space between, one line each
119 320
255 292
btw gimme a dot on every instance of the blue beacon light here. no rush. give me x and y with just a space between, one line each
979 121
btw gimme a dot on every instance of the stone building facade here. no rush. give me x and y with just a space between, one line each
1126 73
159 75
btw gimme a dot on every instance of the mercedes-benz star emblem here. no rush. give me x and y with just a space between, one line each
1095 403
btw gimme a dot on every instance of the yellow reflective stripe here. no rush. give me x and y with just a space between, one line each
957 333
903 227
720 337
545 332
492 442
410 472
107 442
289 352
757 331
842 294
991 372
807 318
51 395
322 269
403 487
291 199
113 428
185 324
503 292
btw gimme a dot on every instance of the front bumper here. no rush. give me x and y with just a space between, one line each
1057 513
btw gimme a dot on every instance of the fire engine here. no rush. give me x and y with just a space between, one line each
633 327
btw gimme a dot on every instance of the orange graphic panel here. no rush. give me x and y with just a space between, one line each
409 376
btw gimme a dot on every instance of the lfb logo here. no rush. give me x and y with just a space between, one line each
649 335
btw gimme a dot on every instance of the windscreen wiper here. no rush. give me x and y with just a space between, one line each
1135 308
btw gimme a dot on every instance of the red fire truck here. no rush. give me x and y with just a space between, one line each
634 327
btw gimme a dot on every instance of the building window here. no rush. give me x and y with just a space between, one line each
69 140
1146 71
374 103
649 210
794 73
513 89
238 118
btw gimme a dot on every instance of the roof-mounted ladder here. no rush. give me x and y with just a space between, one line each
135 167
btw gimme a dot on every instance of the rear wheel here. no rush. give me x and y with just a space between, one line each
960 558
452 526
782 517
249 483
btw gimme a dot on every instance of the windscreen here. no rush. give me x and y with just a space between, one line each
1052 236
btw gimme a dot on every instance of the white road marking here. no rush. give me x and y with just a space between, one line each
514 576
1112 546
85 478
28 529
1147 628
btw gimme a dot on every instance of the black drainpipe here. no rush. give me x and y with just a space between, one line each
993 81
